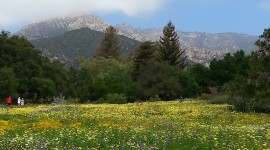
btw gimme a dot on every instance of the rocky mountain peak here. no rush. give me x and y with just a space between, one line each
57 26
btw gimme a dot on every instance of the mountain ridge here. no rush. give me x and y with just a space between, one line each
226 42
196 43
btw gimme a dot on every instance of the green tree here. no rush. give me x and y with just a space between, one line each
143 54
109 76
41 88
252 92
241 93
264 44
110 45
170 50
36 75
159 78
226 69
8 82
189 86
201 76
5 34
72 86
260 74
56 72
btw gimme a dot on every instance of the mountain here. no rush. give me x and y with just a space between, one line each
80 42
58 26
223 42
60 38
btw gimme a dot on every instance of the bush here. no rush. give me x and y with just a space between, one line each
205 96
100 101
155 98
47 100
115 98
219 99
73 101
262 105
59 100
2 106
258 105
241 104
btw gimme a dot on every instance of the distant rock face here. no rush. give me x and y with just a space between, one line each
57 26
200 47
202 56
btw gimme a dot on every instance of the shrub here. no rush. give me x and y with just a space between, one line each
155 98
59 100
242 104
115 98
47 100
219 99
262 105
100 101
73 101
2 106
205 96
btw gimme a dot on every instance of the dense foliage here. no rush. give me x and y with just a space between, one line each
25 72
251 91
144 53
156 71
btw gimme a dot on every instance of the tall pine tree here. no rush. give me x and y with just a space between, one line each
170 50
110 45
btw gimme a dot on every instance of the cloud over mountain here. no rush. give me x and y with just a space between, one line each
21 11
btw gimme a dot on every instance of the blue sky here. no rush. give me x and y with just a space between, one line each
211 16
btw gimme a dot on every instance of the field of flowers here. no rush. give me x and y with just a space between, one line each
149 125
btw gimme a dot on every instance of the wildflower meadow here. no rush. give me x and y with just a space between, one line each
147 125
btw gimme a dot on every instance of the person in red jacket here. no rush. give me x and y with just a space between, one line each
9 101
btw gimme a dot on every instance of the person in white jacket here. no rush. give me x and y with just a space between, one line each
19 101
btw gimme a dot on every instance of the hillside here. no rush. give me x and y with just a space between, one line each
81 42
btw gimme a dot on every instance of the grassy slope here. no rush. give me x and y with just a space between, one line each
156 125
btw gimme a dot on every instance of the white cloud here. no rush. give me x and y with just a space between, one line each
264 5
19 11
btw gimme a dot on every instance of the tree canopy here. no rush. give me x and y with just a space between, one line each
170 50
28 73
110 45
153 73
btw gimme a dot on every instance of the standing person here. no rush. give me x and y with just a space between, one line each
19 101
22 102
9 101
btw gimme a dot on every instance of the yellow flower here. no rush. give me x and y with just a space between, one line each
3 125
47 124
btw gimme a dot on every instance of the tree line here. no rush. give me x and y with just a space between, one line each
156 71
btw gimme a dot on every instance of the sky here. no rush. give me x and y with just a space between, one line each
210 16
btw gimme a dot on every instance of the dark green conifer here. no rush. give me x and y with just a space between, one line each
110 45
170 50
